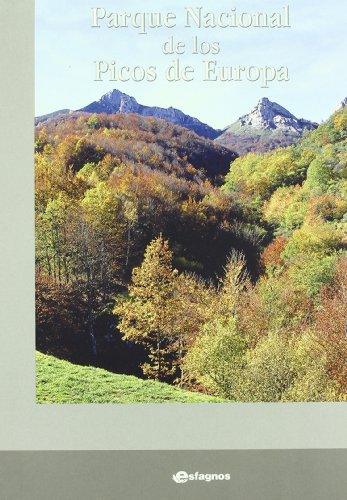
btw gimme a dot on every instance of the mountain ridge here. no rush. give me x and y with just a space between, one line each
115 102
268 125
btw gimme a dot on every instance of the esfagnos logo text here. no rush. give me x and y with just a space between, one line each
183 477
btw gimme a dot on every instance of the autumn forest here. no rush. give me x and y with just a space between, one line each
163 255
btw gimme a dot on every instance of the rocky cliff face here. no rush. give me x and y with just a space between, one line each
117 102
270 115
342 105
267 126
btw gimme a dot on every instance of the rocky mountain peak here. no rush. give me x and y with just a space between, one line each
270 115
115 101
267 126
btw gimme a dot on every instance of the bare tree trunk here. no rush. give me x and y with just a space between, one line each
48 260
159 357
180 358
128 245
91 327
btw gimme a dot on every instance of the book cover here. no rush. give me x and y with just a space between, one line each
175 293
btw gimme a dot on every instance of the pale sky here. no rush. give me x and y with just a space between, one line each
314 50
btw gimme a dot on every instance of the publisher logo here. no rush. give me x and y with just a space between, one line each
182 477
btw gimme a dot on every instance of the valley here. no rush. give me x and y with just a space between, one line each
163 255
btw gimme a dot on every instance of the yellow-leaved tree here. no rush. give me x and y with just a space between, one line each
145 317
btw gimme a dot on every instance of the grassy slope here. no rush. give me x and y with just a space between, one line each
59 381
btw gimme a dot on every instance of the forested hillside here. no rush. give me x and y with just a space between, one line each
150 263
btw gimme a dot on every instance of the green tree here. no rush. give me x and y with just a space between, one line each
217 358
98 251
319 176
268 371
53 249
190 309
312 381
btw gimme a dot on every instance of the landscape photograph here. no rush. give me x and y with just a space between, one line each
191 238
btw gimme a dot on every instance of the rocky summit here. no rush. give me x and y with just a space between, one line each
266 127
270 115
115 102
342 105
